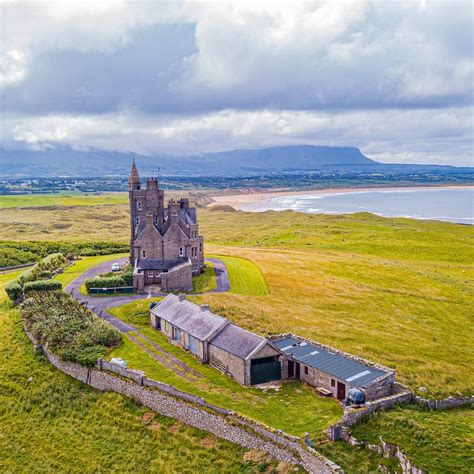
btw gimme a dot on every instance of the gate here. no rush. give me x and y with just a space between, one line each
264 370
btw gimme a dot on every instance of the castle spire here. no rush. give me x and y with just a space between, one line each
134 178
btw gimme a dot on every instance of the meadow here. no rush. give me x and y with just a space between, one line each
396 291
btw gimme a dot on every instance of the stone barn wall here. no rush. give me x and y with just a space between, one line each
229 364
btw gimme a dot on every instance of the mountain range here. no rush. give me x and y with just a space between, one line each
66 161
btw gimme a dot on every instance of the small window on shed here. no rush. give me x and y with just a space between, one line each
306 370
333 383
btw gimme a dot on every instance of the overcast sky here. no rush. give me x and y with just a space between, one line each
393 78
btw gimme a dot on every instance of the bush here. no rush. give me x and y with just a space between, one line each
105 282
49 264
70 330
127 275
13 291
41 285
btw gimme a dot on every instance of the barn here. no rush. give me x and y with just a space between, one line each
247 357
333 372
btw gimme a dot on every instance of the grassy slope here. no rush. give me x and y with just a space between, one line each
435 441
294 409
205 281
244 276
56 424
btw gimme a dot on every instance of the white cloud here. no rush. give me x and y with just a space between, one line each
421 136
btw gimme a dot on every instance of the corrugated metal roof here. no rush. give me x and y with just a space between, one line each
237 341
189 317
337 365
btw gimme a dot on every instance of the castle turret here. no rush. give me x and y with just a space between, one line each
134 178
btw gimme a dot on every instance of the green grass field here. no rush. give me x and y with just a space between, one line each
294 409
205 281
62 199
435 441
245 277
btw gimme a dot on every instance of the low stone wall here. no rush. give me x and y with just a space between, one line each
402 395
386 450
444 403
14 267
170 402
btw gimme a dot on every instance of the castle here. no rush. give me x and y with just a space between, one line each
166 249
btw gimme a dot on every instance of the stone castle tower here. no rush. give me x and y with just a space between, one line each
165 246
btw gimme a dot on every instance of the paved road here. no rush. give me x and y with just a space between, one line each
100 304
222 277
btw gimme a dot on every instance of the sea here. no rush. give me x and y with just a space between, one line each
442 204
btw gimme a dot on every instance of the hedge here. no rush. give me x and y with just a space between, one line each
48 264
70 330
41 285
17 253
13 290
105 282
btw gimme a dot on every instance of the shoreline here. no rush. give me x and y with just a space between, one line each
238 200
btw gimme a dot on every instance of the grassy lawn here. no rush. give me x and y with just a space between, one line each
206 281
435 441
294 409
245 277
80 266
56 424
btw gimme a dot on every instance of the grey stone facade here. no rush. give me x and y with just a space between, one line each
165 246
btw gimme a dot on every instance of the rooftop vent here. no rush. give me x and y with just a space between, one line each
205 307
182 297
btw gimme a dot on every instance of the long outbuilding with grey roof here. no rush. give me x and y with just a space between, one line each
247 357
333 371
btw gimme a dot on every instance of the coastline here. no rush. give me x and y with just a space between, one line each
239 200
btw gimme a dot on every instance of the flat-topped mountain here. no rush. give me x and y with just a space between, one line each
65 161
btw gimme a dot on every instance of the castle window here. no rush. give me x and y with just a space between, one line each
139 205
150 273
157 273
200 248
137 220
181 251
143 253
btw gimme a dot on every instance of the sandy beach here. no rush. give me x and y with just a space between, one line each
240 201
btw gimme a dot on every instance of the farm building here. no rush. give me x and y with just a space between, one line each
248 358
333 372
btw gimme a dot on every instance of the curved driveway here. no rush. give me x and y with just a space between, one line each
100 304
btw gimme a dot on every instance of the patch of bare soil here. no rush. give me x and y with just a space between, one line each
209 442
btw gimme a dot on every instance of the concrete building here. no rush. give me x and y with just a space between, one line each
248 358
165 246
331 371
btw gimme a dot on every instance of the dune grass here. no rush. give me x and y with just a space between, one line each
294 409
435 441
244 276
54 423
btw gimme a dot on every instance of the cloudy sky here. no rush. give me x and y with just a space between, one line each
393 78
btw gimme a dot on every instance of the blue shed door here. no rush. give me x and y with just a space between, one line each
193 344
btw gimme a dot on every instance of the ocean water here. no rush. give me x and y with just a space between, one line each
443 204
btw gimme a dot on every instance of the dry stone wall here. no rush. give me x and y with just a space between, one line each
444 403
194 411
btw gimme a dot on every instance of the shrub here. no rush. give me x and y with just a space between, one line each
41 285
69 330
127 275
105 282
49 264
13 291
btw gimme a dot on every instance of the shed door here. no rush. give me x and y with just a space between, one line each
264 370
193 344
341 391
